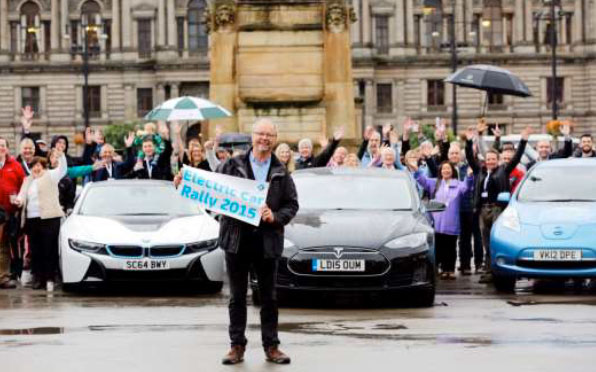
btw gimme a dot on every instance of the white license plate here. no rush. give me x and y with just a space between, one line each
146 265
338 265
557 255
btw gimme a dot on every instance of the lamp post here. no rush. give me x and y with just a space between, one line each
553 47
83 50
430 6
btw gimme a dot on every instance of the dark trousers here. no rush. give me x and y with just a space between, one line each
470 232
43 243
446 251
488 216
250 256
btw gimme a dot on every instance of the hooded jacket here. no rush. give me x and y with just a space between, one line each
11 179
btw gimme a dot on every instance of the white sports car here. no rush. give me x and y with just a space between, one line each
139 230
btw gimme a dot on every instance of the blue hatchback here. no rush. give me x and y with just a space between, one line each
548 229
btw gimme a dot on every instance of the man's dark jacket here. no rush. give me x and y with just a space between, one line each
320 160
565 152
282 199
499 177
160 171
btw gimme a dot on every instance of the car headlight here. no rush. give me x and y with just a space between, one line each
80 245
202 245
510 219
288 244
408 241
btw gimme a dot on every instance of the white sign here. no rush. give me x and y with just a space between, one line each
236 197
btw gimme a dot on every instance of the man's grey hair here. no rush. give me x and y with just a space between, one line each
264 121
305 142
389 150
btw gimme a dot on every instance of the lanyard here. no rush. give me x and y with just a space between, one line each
149 167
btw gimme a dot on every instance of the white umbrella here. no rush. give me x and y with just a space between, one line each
187 108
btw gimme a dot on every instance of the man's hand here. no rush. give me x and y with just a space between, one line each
178 179
176 128
163 130
481 126
470 172
393 137
368 132
470 133
27 118
412 165
139 165
385 131
497 131
209 145
339 133
267 214
525 134
99 164
129 140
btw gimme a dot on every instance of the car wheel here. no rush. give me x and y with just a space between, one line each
209 287
505 284
424 297
71 287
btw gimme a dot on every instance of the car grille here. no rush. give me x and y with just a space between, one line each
131 251
554 265
166 251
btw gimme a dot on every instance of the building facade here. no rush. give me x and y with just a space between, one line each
142 52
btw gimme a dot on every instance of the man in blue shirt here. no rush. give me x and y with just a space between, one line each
259 247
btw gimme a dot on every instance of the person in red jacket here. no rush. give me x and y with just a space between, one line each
517 173
11 178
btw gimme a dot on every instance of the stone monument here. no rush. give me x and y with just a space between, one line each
289 60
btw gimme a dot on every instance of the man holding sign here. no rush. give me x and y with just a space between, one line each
259 246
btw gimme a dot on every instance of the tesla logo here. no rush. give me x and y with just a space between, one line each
338 251
557 231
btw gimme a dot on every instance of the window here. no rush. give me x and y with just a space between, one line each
30 97
548 34
197 35
94 101
180 33
144 101
14 32
434 28
107 28
569 29
492 24
558 90
384 98
199 89
435 93
47 37
495 99
30 18
382 34
144 35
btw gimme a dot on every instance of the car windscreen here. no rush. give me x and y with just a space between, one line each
136 200
559 184
350 192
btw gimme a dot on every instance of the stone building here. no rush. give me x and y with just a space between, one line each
145 51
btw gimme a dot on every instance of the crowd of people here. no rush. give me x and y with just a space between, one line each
38 183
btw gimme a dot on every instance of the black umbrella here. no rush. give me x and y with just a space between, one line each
491 79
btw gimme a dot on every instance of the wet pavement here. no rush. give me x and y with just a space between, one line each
542 327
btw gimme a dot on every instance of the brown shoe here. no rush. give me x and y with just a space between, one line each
274 355
234 356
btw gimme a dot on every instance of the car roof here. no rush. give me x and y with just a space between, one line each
347 171
135 182
570 162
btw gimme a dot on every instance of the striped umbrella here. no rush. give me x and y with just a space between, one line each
187 108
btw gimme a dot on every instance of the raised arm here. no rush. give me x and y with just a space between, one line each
472 162
58 173
521 148
323 158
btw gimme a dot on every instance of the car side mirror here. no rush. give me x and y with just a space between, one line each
435 206
504 197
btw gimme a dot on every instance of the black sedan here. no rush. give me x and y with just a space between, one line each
359 230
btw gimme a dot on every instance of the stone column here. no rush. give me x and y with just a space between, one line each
469 15
65 43
369 102
171 21
175 90
160 93
410 22
161 24
366 27
518 31
355 28
577 22
130 104
4 29
55 27
116 16
126 25
459 20
399 21
339 96
528 21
